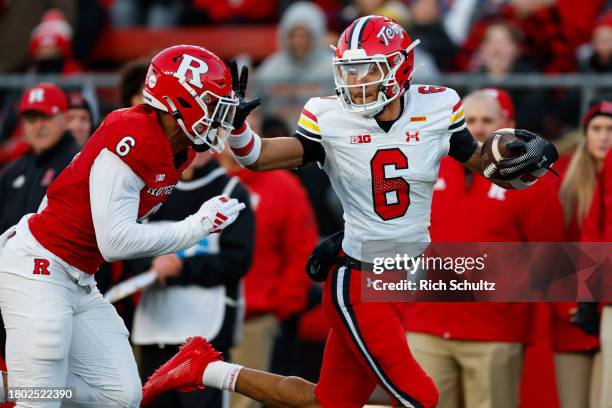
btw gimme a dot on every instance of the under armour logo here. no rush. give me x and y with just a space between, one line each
412 136
36 95
196 66
543 160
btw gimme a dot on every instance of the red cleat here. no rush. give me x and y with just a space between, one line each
183 372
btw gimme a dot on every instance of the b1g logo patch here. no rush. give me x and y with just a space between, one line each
361 139
41 266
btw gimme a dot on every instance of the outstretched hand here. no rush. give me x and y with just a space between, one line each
244 107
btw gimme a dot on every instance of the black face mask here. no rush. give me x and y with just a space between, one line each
49 65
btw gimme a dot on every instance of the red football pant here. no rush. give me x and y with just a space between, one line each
367 346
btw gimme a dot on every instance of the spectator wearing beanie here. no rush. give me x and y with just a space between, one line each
578 380
302 66
50 52
51 46
80 118
598 227
17 20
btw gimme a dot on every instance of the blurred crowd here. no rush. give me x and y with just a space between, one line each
247 287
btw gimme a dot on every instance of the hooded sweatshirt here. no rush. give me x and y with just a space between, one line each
285 82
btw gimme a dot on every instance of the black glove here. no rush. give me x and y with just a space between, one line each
536 154
587 318
324 257
240 84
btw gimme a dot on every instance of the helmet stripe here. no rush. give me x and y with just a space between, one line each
356 34
363 26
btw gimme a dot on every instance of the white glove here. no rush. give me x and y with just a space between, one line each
219 212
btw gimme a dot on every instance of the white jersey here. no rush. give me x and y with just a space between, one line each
385 180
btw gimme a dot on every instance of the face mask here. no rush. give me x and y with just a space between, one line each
49 65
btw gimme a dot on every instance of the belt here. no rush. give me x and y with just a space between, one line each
353 263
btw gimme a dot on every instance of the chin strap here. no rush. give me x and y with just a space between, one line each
202 147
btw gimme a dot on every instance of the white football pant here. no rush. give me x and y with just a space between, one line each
62 334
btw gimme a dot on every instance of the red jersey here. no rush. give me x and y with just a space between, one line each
470 208
65 226
566 336
597 226
450 191
285 234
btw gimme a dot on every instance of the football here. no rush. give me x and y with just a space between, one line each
495 149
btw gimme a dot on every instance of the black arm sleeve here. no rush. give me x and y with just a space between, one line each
313 151
462 145
234 258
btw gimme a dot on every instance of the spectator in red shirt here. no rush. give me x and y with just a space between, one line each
474 351
605 335
575 349
580 178
276 287
598 227
598 222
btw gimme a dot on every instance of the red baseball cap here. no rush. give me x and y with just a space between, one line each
46 98
504 99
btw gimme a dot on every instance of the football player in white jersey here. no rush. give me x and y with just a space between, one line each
380 140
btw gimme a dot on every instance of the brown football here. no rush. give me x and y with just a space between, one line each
494 149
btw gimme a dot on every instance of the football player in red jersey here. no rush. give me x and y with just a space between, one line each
380 142
60 331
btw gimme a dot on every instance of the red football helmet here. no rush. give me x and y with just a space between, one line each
373 50
195 87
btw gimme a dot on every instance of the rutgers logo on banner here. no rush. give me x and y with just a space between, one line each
196 67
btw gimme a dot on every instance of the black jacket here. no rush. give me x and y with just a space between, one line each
232 262
24 182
